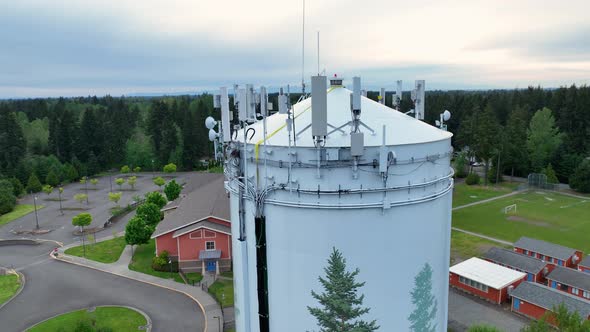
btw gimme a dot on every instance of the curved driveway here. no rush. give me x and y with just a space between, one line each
54 287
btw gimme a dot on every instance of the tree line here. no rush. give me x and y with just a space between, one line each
521 130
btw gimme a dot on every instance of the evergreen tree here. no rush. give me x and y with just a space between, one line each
52 178
12 141
17 187
86 144
34 185
92 166
425 304
515 154
543 139
486 138
341 307
70 173
580 180
190 140
550 173
7 197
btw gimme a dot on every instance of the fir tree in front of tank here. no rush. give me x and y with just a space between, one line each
340 304
425 304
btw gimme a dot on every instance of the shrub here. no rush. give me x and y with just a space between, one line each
482 328
7 198
172 190
125 169
459 165
550 173
580 179
472 179
137 169
160 263
170 168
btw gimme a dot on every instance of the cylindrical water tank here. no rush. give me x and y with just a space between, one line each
388 211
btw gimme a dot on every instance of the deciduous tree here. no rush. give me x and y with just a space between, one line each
543 138
172 190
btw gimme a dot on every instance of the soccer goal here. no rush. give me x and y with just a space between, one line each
510 208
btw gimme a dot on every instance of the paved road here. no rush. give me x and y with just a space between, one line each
53 287
466 310
99 207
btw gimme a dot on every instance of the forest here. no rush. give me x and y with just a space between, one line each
60 140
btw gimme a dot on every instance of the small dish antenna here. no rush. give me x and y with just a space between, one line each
210 122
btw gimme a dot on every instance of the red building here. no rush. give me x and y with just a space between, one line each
551 253
584 265
484 279
534 300
570 281
535 269
196 230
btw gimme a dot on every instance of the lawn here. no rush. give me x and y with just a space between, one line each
465 246
105 252
142 262
116 318
9 285
543 215
464 194
19 211
193 277
223 291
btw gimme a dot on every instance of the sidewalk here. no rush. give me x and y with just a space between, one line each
209 306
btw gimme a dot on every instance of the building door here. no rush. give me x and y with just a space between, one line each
211 266
516 304
530 277
554 284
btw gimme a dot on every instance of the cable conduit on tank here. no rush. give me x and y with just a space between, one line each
379 204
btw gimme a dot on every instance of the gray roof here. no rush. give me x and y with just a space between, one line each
549 298
545 248
209 254
204 196
203 223
515 260
585 261
570 277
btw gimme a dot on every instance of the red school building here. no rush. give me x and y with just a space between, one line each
196 230
570 281
535 269
484 279
584 265
533 300
551 253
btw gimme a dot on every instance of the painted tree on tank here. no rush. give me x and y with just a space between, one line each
425 305
341 306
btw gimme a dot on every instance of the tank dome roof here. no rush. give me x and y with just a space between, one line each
400 128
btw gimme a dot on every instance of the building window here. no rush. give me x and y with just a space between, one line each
210 245
541 257
575 291
526 252
563 287
586 295
473 284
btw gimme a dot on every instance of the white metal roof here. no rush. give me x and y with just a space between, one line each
487 273
401 128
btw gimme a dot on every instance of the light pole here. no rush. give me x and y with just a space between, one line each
36 216
170 264
60 190
218 322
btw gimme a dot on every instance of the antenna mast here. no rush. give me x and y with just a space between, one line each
318 53
303 52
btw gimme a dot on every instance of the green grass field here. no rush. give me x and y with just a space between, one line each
142 262
464 194
116 318
105 252
223 290
19 211
465 246
9 285
543 215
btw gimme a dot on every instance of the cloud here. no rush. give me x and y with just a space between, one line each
74 47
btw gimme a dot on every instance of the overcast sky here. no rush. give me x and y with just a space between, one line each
87 47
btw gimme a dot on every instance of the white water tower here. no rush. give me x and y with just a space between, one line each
339 170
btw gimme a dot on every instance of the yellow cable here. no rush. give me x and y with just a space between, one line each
257 146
